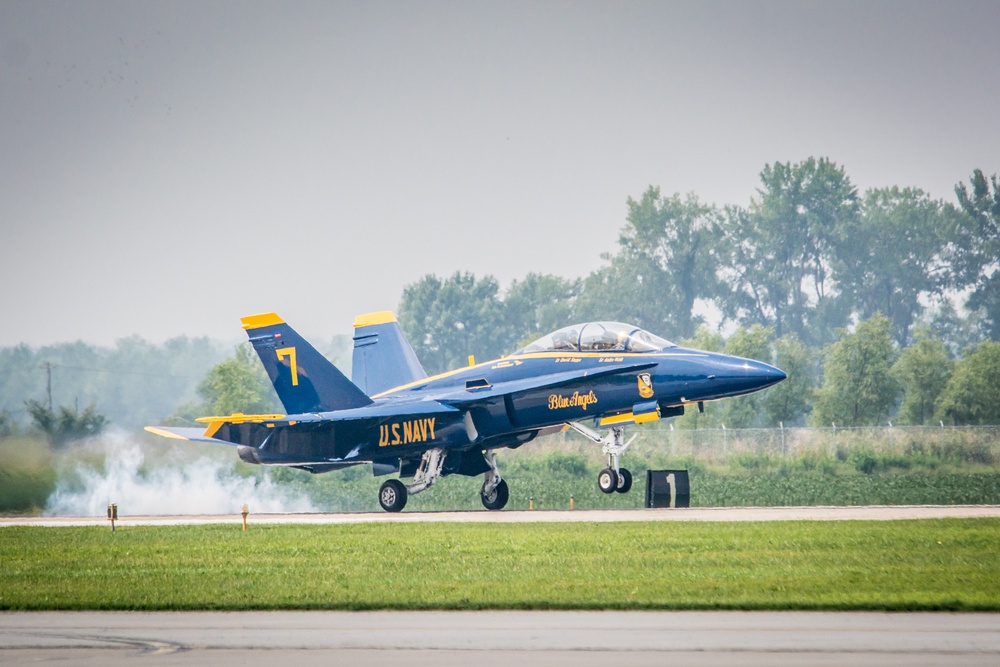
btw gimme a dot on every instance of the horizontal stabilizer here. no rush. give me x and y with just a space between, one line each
184 433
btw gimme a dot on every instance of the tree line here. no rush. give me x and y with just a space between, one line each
131 383
852 293
71 391
879 305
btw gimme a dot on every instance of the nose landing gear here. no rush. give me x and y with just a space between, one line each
614 477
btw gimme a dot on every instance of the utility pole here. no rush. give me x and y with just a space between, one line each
48 382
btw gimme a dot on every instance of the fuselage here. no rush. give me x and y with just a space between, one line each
482 406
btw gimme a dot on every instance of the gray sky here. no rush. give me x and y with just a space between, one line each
169 167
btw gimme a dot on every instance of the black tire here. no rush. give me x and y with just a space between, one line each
497 499
607 480
624 480
392 495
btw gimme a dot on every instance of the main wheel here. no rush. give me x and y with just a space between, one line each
607 480
392 495
497 498
624 480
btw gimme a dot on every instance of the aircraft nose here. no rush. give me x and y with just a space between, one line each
764 375
734 376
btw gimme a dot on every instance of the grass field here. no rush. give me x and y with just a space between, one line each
894 565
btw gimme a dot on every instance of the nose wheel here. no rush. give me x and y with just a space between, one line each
624 480
609 480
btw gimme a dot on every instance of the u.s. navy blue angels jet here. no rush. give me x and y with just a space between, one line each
395 417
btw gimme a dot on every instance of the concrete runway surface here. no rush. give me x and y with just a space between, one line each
855 513
581 639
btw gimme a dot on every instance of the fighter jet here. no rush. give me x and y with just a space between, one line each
588 377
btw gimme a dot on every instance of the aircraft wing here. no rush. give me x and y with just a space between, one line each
472 395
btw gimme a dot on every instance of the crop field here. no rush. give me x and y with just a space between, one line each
750 467
891 565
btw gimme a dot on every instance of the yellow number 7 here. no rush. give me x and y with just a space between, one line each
290 352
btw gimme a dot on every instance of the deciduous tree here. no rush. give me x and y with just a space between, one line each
676 236
972 394
778 251
978 250
448 320
536 305
858 388
893 254
64 425
238 384
922 371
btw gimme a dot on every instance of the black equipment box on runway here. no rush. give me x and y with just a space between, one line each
667 488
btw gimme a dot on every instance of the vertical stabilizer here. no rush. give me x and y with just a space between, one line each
304 379
383 358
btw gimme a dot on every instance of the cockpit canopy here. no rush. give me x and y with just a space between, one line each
598 337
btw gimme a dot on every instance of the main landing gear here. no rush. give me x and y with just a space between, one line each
614 477
494 492
392 496
393 493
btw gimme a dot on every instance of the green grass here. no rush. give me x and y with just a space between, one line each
895 565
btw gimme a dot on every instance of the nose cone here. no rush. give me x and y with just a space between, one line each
764 375
735 376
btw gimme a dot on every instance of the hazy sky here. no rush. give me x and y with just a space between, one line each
168 167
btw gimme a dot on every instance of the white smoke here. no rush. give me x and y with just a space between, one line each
202 486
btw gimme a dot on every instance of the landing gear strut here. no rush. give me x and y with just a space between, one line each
613 478
393 494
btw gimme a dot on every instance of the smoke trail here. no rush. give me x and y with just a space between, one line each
201 486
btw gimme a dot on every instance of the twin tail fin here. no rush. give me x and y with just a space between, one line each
383 358
304 379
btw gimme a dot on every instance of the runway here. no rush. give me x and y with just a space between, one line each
583 639
839 513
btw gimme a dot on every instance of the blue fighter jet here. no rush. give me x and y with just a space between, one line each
393 416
